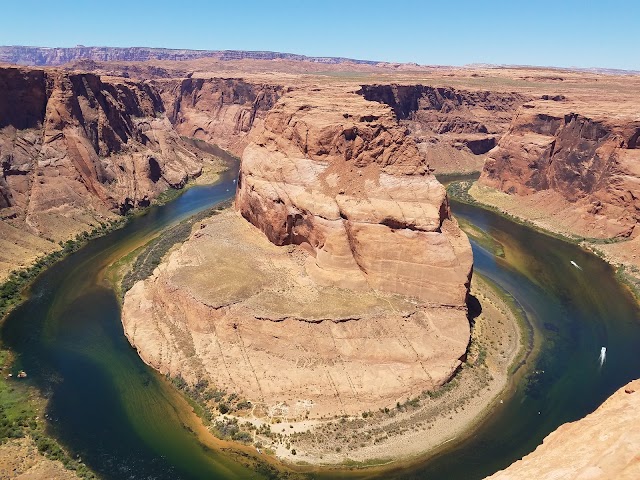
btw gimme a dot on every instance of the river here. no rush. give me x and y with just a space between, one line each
125 421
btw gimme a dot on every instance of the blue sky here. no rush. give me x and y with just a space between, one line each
558 33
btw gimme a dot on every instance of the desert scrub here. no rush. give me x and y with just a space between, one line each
229 429
459 191
207 401
156 249
630 276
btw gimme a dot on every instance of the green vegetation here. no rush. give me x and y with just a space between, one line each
168 195
525 327
483 239
11 291
205 401
447 387
627 275
448 178
21 408
20 416
630 277
459 191
229 429
17 413
374 462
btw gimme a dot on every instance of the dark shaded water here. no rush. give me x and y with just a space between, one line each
574 313
105 404
122 419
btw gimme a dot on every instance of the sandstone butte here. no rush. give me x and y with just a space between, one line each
370 305
78 146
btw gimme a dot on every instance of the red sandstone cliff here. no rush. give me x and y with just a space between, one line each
76 147
454 128
217 110
79 141
335 172
586 154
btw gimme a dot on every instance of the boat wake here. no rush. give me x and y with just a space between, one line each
603 356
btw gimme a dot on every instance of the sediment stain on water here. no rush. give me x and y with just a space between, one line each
125 421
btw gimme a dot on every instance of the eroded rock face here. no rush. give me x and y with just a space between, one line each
337 174
454 128
589 159
236 310
603 445
74 148
217 110
350 293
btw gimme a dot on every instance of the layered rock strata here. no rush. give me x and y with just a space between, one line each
76 147
217 110
231 308
348 290
354 189
454 127
583 159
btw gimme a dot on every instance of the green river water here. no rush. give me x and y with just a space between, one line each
127 422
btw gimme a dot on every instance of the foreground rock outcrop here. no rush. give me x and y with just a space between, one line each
350 293
603 445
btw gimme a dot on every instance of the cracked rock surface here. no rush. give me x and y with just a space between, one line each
232 308
345 289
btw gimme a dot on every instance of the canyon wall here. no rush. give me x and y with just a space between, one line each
217 110
74 148
454 128
584 156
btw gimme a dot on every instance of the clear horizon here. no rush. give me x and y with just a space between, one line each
566 34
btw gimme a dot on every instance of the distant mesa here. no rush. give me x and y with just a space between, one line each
52 56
